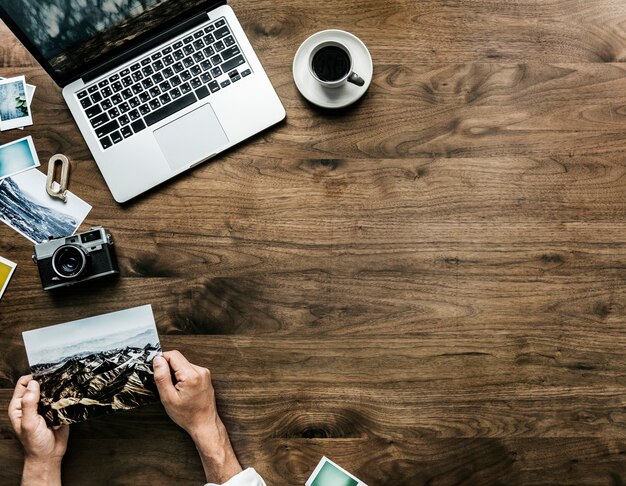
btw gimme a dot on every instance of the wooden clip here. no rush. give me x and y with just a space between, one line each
61 191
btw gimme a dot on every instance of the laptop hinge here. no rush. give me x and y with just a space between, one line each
146 46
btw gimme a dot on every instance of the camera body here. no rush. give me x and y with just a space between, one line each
69 260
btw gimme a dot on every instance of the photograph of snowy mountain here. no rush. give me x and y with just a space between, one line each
26 207
94 366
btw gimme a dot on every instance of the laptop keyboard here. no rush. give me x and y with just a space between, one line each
160 84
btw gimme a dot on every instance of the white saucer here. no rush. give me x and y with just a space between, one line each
332 97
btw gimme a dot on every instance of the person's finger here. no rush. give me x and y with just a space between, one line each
20 386
181 367
30 417
163 379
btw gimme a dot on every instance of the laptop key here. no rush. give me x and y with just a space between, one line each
185 88
206 65
116 99
134 115
168 72
104 83
219 46
135 66
178 45
195 70
170 109
209 28
85 102
165 99
105 142
196 83
138 126
214 86
219 23
185 76
197 35
188 62
178 67
216 59
147 71
134 102
197 45
233 63
93 111
147 83
165 86
167 50
116 137
229 41
168 60
230 52
154 104
234 79
114 112
178 55
209 39
144 109
125 72
154 91
219 33
137 76
158 65
106 92
225 83
106 105
124 107
92 89
117 86
127 81
127 94
156 56
144 97
202 92
137 88
103 130
206 77
175 81
115 77
126 131
216 72
81 95
99 120
198 57
158 77
175 93
124 120
188 39
145 62
209 51
96 97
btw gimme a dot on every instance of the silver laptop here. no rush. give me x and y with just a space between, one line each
155 86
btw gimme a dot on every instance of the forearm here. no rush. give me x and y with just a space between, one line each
218 457
37 473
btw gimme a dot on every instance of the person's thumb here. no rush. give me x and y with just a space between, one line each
30 417
163 378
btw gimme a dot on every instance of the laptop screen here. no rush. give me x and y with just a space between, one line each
65 36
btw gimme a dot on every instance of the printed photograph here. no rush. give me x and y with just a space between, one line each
26 207
14 105
94 366
30 93
6 272
18 156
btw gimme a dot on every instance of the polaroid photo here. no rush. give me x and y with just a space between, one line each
14 105
327 473
6 272
30 94
94 366
26 207
18 156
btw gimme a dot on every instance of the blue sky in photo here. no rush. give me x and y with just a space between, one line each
16 157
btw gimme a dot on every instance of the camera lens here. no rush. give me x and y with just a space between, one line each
69 261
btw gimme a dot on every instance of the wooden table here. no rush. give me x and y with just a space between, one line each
428 287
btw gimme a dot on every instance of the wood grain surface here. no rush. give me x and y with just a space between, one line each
428 287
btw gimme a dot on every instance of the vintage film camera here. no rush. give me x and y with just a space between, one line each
69 260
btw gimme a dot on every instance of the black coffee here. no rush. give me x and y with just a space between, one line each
331 63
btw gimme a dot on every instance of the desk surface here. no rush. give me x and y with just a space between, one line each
428 287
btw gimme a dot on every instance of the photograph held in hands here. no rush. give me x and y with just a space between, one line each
94 366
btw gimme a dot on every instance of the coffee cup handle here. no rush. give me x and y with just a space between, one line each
354 78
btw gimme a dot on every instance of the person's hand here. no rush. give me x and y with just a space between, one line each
43 447
189 400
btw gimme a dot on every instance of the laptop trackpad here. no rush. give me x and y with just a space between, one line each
191 138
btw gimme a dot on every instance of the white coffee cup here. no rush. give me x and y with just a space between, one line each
330 63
